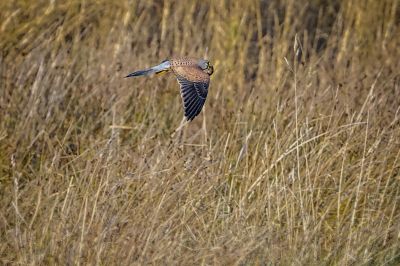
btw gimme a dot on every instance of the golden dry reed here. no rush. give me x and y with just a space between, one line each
295 159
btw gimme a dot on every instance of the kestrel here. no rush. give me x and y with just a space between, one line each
193 76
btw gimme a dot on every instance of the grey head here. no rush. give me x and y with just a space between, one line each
206 66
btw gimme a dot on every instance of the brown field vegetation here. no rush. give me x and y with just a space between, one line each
295 158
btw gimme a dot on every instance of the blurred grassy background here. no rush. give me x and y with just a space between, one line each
294 160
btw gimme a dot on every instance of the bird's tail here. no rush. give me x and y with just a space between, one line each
161 68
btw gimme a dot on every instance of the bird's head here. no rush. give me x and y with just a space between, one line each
206 66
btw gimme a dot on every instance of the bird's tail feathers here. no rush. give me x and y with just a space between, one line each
161 68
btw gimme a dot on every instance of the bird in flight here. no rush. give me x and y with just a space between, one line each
193 76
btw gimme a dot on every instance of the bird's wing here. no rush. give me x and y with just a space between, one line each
194 88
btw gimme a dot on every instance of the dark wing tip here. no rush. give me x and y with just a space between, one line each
192 103
195 109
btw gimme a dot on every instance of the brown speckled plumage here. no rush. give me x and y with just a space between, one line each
188 69
193 76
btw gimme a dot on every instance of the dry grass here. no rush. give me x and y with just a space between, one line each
295 159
